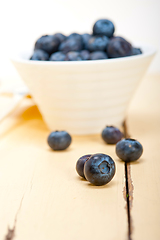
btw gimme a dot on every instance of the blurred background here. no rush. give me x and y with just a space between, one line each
22 22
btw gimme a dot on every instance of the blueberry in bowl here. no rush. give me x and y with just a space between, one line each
103 27
129 149
59 140
40 55
48 43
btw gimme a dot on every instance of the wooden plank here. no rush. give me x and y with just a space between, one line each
144 125
41 195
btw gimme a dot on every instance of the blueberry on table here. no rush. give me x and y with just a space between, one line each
73 56
80 164
48 43
111 135
40 55
99 169
85 54
57 56
119 47
136 51
71 44
129 150
61 37
97 55
59 140
104 27
97 43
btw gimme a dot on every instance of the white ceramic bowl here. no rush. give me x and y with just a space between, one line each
83 97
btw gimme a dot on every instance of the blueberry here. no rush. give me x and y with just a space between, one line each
97 43
111 135
85 54
59 140
99 169
136 51
104 27
48 43
76 36
40 55
70 45
73 56
129 149
98 55
119 47
60 36
85 38
57 56
80 165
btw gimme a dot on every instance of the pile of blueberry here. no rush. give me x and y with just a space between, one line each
99 169
101 44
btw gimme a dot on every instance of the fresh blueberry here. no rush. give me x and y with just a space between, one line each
104 27
60 36
40 55
80 165
98 55
119 47
76 36
97 43
70 45
85 38
136 51
85 54
99 169
129 149
73 56
48 43
59 140
57 56
111 135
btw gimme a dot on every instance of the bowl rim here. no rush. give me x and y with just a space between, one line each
147 50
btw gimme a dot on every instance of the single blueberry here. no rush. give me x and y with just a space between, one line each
104 27
119 47
70 45
80 164
99 169
85 39
97 55
111 135
85 54
73 56
136 51
97 43
129 149
57 56
40 55
76 36
60 36
48 43
59 140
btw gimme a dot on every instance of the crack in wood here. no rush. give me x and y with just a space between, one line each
11 231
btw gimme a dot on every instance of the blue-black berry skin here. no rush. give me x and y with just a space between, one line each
60 36
97 43
48 43
99 169
76 36
85 54
59 140
85 39
40 55
104 27
57 56
111 135
80 164
71 44
73 56
129 150
98 55
118 47
136 51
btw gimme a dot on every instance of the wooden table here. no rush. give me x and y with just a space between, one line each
42 197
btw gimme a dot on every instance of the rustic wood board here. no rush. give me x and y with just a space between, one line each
42 197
